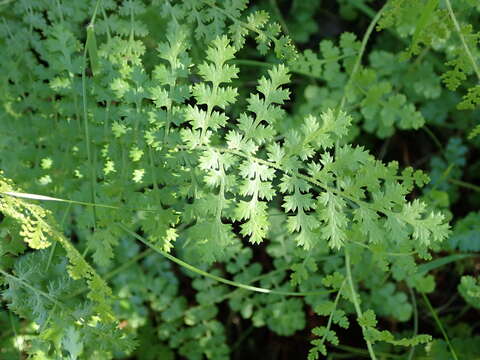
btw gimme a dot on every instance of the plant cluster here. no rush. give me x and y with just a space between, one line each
188 178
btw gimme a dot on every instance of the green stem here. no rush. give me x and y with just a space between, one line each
281 20
44 326
437 263
52 250
60 12
93 176
385 253
360 5
356 304
245 334
218 278
248 62
440 326
462 39
105 17
465 184
75 202
434 138
363 46
415 321
330 318
14 329
364 353
267 64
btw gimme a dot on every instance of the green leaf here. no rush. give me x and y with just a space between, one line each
469 288
331 212
72 343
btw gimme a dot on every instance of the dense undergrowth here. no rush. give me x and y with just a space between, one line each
206 179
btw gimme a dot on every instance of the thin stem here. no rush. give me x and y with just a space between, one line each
385 253
363 46
437 263
440 326
462 39
360 5
248 62
60 12
75 202
415 321
52 250
105 17
267 64
434 138
364 353
218 278
356 304
330 318
87 138
465 184
14 329
445 174
129 263
281 20
95 10
245 334
44 326
93 176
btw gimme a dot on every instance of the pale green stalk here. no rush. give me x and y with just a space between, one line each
462 39
440 326
356 304
218 278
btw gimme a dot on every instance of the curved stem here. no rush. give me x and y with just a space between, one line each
218 278
363 46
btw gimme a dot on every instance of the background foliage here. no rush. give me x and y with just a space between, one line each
205 179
